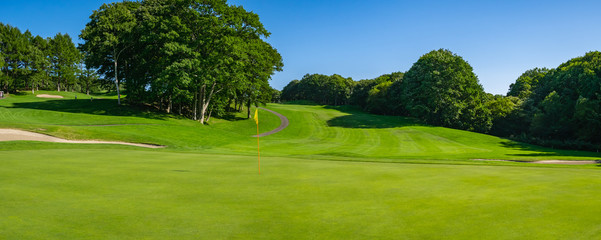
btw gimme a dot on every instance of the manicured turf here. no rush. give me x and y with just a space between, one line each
334 173
89 194
314 132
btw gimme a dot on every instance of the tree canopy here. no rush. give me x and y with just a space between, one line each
442 89
194 56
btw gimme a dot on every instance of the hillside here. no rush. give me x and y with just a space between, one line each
315 131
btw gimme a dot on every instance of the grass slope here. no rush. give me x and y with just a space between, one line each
314 132
205 184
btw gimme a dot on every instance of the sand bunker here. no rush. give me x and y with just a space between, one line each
48 96
16 135
565 162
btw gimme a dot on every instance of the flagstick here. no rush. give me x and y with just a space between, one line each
258 149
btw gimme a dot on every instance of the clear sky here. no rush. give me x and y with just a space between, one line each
365 39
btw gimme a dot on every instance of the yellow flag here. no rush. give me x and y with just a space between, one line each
256 116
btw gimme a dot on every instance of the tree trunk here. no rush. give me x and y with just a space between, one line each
169 104
210 111
248 109
205 100
117 82
195 105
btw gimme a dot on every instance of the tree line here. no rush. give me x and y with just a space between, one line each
195 58
32 62
190 57
558 107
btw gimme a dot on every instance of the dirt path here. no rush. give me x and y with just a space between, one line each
565 162
283 124
16 135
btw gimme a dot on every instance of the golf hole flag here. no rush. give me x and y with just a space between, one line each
256 116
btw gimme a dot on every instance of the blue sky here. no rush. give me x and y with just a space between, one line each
365 39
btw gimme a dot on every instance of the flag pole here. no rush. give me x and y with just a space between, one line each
258 148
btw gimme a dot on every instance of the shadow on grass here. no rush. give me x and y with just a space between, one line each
231 116
107 107
545 152
301 102
357 118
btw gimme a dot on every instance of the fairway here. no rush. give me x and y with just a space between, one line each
333 173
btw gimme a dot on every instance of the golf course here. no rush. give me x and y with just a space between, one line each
332 173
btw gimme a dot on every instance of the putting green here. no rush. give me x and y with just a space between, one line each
129 194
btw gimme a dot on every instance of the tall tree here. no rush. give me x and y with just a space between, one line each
442 89
107 36
64 58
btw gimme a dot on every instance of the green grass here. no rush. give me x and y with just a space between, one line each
89 194
334 173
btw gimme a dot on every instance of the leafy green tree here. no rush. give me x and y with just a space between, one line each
107 35
64 57
526 83
566 101
15 48
503 111
378 99
322 89
442 89
40 63
88 78
291 91
192 56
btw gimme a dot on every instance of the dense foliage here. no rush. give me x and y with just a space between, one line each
553 107
32 62
192 57
564 106
322 89
442 89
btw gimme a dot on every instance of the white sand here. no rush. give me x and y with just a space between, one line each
48 96
16 135
566 162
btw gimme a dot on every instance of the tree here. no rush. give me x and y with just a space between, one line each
442 89
189 55
107 35
526 83
323 89
64 57
378 99
87 77
566 101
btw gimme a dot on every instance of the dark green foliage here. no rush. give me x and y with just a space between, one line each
442 89
32 62
361 92
378 99
504 115
567 101
559 107
362 89
322 89
524 85
191 57
63 58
